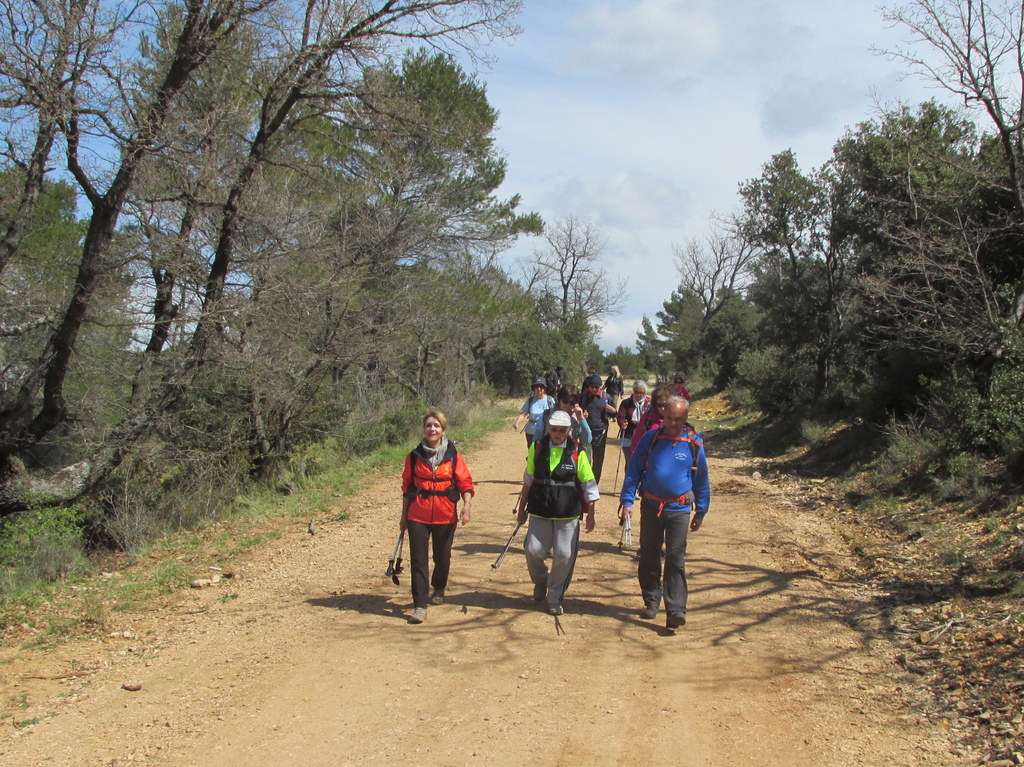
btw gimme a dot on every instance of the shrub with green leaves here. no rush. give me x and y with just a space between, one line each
911 445
40 545
959 476
983 413
777 383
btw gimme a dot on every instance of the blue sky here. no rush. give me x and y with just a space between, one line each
644 116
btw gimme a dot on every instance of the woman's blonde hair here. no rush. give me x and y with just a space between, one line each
615 369
435 413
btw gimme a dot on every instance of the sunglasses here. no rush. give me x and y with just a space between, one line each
558 428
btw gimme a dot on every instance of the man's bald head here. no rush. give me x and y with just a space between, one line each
677 410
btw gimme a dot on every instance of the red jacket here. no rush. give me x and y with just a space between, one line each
651 419
625 417
426 486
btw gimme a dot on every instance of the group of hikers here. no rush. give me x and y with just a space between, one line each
566 430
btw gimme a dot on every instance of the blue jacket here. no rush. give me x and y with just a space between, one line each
664 470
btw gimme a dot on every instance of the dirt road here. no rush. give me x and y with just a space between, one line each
306 658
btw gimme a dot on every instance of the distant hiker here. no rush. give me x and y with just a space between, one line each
597 407
569 402
558 488
679 389
613 385
553 380
435 478
532 411
630 411
652 416
670 467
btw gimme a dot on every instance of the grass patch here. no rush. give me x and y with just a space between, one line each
812 433
81 600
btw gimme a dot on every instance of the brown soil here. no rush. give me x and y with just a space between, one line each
305 657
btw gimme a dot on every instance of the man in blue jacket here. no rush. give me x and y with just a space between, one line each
669 467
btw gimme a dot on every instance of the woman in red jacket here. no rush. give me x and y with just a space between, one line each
434 479
653 417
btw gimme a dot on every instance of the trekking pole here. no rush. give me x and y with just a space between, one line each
497 563
618 461
626 523
395 563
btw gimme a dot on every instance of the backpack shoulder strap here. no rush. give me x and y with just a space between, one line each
693 438
650 446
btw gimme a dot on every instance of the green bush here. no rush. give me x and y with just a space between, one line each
983 412
739 397
958 476
911 446
157 493
812 432
389 428
40 545
777 383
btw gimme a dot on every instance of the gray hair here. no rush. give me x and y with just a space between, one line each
638 384
677 398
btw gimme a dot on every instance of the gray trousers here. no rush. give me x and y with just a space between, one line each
560 537
669 529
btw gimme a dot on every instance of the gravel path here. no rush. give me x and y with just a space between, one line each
306 658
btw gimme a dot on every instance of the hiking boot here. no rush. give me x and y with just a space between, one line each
675 620
437 597
418 615
555 610
540 590
649 613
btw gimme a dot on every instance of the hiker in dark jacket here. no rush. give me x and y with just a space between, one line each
631 410
553 380
613 385
598 407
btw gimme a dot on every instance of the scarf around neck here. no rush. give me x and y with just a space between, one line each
435 455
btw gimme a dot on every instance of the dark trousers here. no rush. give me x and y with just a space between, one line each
598 443
669 529
420 534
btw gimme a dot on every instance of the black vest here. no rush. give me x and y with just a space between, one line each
555 493
445 487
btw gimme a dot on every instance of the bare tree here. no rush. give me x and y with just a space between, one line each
938 247
568 277
713 272
136 127
47 52
974 49
118 114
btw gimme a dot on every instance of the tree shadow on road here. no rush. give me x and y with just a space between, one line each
730 601
366 604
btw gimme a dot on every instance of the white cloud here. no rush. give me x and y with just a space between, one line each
625 199
620 331
644 116
667 38
800 103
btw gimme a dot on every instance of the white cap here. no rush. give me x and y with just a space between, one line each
559 418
